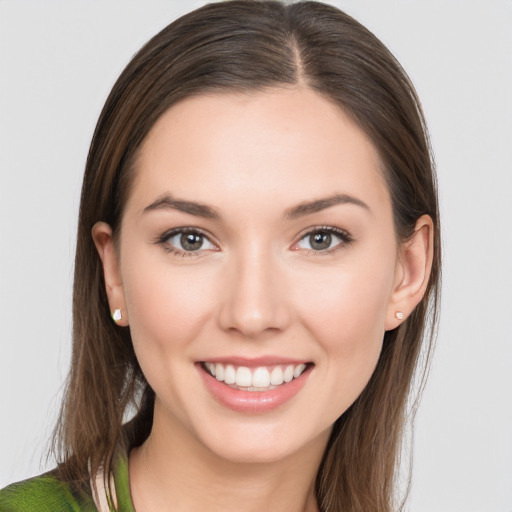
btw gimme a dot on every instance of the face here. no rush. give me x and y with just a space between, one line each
257 265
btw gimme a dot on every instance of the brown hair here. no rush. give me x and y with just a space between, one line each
248 45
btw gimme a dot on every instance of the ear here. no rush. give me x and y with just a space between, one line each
102 236
412 272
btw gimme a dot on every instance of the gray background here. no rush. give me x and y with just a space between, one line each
58 61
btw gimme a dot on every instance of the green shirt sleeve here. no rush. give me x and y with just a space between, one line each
45 493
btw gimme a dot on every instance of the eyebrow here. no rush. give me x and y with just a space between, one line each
321 204
193 208
202 210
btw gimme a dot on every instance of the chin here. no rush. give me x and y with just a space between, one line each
262 444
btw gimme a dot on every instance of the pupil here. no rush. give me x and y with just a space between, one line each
191 241
320 241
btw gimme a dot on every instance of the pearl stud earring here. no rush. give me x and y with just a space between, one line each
399 315
117 315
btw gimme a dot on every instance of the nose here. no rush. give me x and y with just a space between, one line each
254 296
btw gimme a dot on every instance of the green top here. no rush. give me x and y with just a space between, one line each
45 493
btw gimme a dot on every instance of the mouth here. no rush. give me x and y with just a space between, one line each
254 387
255 379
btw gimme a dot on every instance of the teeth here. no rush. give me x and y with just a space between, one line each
229 375
243 377
288 373
276 377
261 378
298 370
257 379
219 372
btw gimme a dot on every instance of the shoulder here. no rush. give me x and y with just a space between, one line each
45 493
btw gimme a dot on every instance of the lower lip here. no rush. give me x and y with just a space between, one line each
253 401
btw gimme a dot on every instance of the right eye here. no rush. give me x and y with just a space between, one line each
186 242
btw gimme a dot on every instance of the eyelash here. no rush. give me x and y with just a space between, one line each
163 241
344 236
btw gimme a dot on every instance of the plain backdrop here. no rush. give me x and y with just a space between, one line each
58 61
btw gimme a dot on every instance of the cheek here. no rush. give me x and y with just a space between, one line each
345 313
167 306
347 305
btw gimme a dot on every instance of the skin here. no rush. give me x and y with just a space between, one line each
255 288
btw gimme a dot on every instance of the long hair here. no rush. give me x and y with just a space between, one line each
237 46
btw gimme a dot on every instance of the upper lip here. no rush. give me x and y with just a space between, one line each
269 360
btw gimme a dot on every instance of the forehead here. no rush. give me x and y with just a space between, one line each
284 145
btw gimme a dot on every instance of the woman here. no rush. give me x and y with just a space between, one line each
258 248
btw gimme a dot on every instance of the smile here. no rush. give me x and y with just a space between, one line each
262 378
254 387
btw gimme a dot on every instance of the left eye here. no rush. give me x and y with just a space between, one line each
322 240
189 241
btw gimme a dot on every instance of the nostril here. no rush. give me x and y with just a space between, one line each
252 301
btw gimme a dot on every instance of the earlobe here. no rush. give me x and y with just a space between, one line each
415 263
104 242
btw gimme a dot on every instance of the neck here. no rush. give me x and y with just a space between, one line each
174 471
